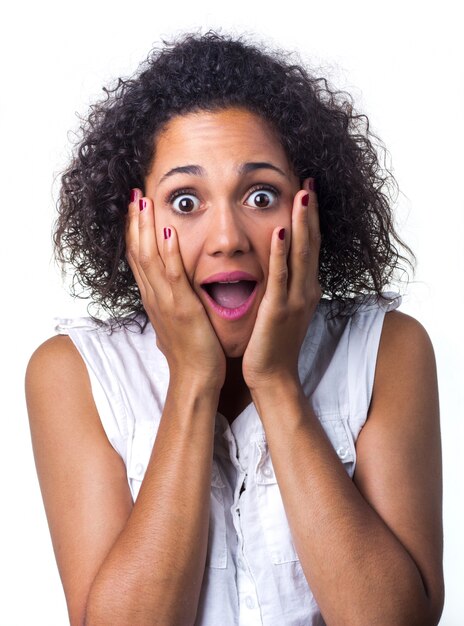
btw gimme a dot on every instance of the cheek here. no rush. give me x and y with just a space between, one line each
263 235
190 248
187 242
262 246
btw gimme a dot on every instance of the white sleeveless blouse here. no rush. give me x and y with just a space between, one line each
253 575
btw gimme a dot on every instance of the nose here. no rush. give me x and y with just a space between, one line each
227 235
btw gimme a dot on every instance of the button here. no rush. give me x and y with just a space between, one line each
268 472
342 452
250 602
139 469
240 564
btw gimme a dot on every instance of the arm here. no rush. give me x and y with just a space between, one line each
124 564
371 549
121 563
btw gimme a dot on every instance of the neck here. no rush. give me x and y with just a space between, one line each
235 395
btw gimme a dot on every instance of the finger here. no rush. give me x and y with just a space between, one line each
276 288
300 252
149 261
314 228
175 272
132 240
131 230
304 253
135 194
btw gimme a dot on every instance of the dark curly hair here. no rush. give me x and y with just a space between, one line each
319 129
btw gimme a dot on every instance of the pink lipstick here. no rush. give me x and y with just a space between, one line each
230 294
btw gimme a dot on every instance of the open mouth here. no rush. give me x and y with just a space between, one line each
230 294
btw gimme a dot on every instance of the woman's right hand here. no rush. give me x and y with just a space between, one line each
183 331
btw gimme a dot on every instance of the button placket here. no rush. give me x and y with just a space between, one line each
250 603
217 534
337 430
264 470
267 471
140 448
271 511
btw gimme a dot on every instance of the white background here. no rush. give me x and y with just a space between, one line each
402 62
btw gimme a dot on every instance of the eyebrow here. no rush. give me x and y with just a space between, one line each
244 168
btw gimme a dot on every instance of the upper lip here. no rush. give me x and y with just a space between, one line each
229 277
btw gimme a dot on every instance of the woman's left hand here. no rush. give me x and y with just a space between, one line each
292 295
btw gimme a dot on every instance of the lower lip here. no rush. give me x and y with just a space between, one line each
233 314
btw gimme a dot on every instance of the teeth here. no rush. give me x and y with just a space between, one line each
227 282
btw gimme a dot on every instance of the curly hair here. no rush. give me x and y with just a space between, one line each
319 129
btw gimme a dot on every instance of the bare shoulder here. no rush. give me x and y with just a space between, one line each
405 333
406 358
60 403
399 467
56 372
82 478
55 353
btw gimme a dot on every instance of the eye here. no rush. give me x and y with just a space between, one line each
183 201
264 196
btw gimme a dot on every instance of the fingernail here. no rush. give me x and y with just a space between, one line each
312 184
142 204
167 233
305 199
133 195
282 233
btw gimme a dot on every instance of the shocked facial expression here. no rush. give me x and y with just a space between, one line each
223 181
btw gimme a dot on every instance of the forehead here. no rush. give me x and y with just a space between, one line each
231 135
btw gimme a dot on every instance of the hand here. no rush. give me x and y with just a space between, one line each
183 331
291 297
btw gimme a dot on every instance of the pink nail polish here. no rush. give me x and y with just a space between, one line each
312 184
167 233
305 199
133 195
282 233
142 204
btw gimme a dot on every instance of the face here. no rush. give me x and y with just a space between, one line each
223 181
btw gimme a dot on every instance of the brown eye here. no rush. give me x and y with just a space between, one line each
183 202
186 205
263 197
262 200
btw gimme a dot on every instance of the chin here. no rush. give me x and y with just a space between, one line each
233 352
234 340
234 348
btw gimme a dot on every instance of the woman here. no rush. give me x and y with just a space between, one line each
253 436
